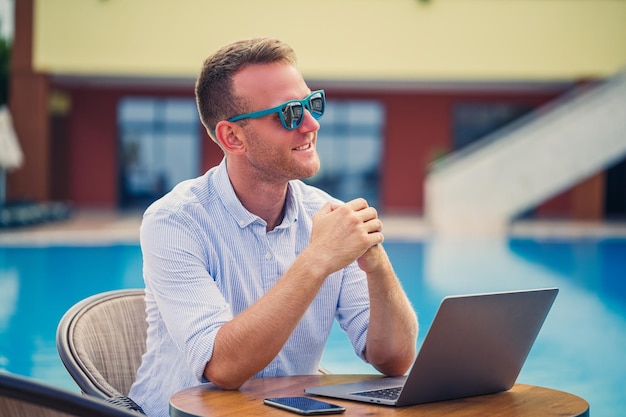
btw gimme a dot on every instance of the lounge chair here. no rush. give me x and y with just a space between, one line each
25 397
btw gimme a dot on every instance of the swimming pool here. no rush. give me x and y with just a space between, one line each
581 348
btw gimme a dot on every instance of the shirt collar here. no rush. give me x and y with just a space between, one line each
241 215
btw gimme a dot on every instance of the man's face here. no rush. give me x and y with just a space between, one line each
274 153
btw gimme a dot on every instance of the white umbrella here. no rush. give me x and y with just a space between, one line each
10 153
11 156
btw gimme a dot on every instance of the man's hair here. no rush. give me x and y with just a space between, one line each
215 97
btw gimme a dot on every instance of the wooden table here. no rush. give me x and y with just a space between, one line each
522 400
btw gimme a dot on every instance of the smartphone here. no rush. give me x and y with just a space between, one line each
304 405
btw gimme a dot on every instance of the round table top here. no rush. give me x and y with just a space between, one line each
521 400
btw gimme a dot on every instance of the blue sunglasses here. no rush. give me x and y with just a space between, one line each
292 112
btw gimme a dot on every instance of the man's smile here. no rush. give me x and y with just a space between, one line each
304 147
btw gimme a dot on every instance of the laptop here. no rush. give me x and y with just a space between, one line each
476 345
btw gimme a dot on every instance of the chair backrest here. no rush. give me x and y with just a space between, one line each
101 340
24 397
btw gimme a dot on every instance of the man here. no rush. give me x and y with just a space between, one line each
246 267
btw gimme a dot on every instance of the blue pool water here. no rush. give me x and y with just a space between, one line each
581 348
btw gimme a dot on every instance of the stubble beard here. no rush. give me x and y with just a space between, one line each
273 166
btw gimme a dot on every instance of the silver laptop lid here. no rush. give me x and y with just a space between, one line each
477 344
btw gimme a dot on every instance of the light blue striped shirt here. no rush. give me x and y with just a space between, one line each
206 259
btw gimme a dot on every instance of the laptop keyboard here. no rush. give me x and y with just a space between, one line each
385 394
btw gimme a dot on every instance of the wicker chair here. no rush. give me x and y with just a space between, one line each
24 397
101 340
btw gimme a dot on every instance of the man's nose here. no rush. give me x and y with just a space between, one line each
309 123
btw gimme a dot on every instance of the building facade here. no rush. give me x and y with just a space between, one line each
119 136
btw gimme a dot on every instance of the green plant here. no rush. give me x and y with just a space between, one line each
5 56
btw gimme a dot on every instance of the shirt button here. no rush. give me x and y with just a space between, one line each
241 223
268 256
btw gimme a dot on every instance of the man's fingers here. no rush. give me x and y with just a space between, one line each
374 225
326 208
357 204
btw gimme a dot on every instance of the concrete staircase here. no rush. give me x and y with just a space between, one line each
480 189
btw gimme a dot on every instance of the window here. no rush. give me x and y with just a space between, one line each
473 121
350 148
159 147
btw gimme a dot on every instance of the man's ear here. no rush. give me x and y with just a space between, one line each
228 135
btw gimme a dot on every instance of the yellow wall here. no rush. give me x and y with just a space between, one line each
340 39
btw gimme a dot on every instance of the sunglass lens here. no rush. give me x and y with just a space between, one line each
292 115
317 105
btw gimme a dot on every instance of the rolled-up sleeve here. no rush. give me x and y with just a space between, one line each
353 308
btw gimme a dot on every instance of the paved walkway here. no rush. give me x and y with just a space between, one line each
109 226
86 226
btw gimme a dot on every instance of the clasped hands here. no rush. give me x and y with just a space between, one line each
343 233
